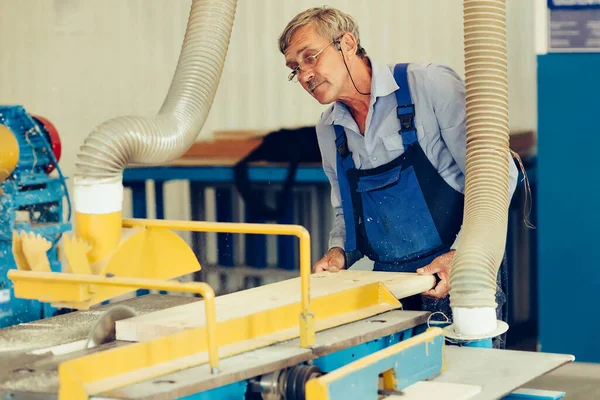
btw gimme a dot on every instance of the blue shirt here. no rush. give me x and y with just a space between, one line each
439 97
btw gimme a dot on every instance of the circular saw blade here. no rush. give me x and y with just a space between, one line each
105 329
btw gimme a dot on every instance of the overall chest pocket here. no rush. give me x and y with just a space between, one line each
373 182
396 219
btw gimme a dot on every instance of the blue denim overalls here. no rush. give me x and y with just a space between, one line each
401 214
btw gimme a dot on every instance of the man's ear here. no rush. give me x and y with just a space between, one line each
349 45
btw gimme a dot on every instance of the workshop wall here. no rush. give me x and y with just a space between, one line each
80 62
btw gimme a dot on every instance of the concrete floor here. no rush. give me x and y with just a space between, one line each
579 380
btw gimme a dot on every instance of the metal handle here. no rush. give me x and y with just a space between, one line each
307 330
201 288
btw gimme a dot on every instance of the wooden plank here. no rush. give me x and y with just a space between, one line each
272 358
243 343
498 372
265 297
425 390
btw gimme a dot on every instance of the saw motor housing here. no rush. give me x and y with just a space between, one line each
32 191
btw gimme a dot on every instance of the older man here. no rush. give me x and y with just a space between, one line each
393 146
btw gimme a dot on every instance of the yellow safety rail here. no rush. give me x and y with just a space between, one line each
97 372
307 324
69 285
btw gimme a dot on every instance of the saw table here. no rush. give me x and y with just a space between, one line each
321 336
352 355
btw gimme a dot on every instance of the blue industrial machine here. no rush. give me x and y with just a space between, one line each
31 200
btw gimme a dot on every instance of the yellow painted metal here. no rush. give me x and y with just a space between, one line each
187 349
75 374
76 252
30 251
101 231
317 388
389 380
35 248
122 366
142 253
18 254
9 152
307 327
148 249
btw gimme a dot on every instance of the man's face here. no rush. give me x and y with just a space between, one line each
323 80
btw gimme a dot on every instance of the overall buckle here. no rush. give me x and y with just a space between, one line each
343 149
406 115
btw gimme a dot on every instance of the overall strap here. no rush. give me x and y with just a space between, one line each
345 163
406 108
341 144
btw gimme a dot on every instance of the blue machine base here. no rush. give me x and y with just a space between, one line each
338 359
233 391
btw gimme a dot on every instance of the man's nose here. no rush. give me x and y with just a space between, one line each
306 76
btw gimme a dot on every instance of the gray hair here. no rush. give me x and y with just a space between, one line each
328 22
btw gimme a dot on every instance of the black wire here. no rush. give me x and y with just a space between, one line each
349 74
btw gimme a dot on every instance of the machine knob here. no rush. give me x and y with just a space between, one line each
53 139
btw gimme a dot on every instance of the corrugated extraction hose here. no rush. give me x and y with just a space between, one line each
483 234
127 140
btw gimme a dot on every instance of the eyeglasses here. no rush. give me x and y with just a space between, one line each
309 61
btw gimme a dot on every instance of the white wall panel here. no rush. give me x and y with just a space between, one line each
80 62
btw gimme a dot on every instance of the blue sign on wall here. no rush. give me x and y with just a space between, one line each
573 4
574 30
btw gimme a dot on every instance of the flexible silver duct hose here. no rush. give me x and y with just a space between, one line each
119 142
126 140
483 235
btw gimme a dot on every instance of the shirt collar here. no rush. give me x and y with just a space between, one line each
382 84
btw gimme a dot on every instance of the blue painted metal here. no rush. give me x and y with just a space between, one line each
138 194
256 245
30 192
139 210
411 365
223 174
568 200
225 214
534 394
574 5
234 391
340 358
159 190
287 246
485 343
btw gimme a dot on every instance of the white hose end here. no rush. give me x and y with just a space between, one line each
99 198
474 324
474 321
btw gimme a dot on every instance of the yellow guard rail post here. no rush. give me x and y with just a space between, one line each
61 285
307 318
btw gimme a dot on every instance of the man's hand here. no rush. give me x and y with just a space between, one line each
333 261
440 266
